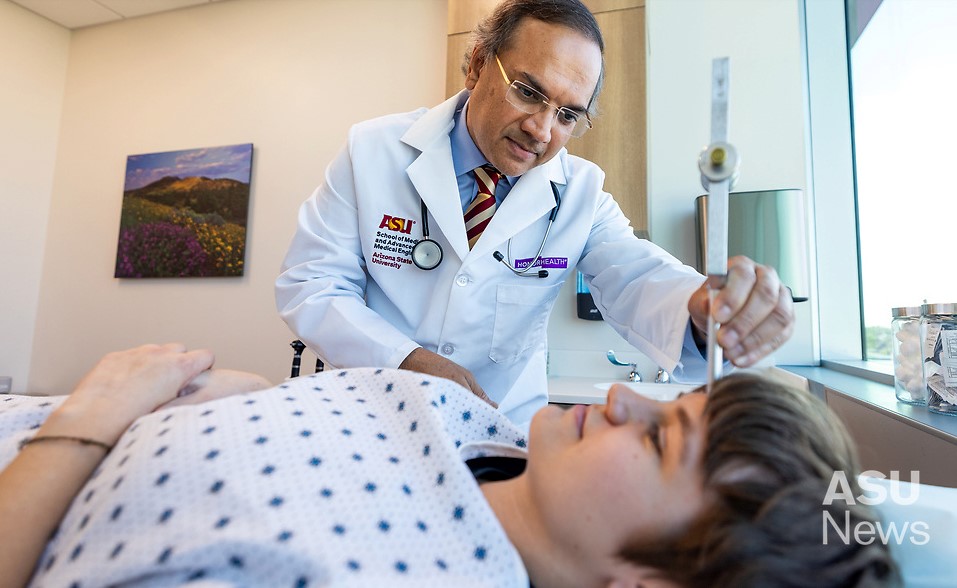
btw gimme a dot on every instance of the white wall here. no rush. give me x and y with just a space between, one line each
762 38
33 62
289 76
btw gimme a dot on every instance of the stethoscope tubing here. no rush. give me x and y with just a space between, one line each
541 247
427 254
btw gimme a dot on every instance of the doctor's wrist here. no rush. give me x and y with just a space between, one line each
413 359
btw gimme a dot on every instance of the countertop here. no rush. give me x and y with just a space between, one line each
581 390
590 390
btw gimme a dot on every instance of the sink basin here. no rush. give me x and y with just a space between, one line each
651 390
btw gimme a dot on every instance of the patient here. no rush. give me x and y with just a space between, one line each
372 477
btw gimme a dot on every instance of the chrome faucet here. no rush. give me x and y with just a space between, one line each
663 377
633 375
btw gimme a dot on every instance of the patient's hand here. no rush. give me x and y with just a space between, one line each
213 384
123 386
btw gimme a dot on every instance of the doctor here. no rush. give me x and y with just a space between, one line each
359 288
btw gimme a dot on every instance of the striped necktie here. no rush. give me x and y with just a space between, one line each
480 211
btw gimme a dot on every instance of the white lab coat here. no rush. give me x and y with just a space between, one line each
357 302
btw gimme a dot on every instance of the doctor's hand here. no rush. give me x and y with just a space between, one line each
426 362
754 308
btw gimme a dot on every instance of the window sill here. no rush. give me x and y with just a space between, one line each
881 372
871 384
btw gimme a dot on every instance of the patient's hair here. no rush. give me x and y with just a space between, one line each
494 33
770 454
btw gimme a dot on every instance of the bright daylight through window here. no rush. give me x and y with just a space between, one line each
903 90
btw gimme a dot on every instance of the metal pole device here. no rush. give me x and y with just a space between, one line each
718 164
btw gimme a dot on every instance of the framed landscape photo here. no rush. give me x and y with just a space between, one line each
184 213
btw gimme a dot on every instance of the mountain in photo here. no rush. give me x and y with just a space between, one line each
223 196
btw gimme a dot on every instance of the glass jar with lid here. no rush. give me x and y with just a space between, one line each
906 352
938 333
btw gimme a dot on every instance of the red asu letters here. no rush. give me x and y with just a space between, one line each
394 223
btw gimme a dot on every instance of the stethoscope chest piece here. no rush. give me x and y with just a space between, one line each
427 254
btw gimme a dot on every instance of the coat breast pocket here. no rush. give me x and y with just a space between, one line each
521 318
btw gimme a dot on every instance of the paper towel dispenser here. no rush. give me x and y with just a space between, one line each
770 227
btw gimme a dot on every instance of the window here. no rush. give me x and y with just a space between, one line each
862 263
902 55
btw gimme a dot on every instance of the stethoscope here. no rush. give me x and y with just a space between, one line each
427 253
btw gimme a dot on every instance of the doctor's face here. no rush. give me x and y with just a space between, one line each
603 481
559 62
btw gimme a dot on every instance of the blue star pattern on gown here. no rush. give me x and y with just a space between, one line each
349 478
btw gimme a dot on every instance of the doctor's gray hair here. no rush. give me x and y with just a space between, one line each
494 34
770 454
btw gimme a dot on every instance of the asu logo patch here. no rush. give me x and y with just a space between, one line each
396 224
393 244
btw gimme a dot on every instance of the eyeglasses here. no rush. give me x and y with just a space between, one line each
531 101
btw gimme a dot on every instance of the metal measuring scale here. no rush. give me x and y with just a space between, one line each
719 171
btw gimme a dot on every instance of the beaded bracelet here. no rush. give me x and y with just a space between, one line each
80 440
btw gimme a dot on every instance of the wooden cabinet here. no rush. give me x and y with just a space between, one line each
617 143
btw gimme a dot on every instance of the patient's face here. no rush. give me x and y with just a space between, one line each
601 485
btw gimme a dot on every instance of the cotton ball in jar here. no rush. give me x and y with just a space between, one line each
910 328
906 370
906 346
915 386
909 348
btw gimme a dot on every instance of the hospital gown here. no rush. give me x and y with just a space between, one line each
350 478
